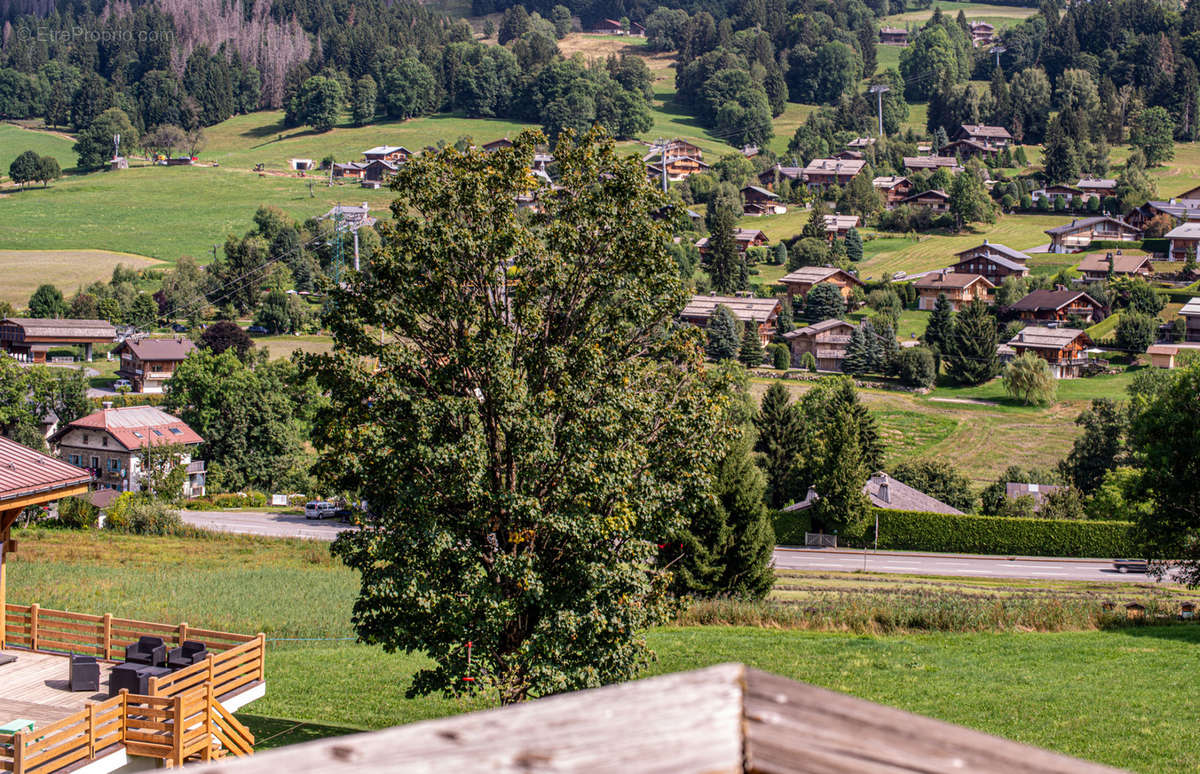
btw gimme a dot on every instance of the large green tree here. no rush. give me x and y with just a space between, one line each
1153 133
94 145
250 417
780 439
971 356
1028 378
726 263
1101 446
321 101
24 168
1164 439
824 302
47 303
530 425
724 334
939 479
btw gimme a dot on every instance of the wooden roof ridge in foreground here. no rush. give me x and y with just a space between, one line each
726 718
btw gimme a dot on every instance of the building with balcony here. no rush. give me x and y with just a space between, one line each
895 189
1063 348
149 363
893 36
819 174
1097 266
761 313
1191 315
112 443
1183 241
1081 232
1058 305
802 280
826 341
959 289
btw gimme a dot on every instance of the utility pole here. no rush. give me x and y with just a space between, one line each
878 91
661 144
356 249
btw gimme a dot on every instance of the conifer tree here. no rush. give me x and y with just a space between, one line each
971 356
854 246
751 352
724 334
814 227
940 325
824 302
780 439
858 352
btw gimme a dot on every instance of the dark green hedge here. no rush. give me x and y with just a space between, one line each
943 533
1117 244
1156 245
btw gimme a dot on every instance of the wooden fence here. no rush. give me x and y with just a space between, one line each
181 716
103 636
173 729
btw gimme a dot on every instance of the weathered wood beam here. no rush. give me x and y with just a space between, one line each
39 498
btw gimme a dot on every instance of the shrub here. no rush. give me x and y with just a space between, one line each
134 514
781 357
917 367
77 513
808 362
1026 202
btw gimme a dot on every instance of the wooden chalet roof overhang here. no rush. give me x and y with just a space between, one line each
726 719
28 477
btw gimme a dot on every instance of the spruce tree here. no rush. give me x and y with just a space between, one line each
858 352
824 302
940 325
814 227
854 246
724 334
751 351
726 264
785 321
780 439
971 356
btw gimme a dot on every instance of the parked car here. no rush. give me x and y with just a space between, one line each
319 510
122 384
179 328
257 330
344 514
1131 565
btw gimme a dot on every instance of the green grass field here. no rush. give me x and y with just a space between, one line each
933 251
999 15
1114 696
14 141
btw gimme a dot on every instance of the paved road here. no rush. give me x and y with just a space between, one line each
265 523
951 564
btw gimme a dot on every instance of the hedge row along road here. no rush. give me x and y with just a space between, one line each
961 565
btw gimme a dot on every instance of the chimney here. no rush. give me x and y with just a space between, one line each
985 242
884 494
107 404
1060 288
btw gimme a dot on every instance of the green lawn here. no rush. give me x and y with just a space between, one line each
1120 697
933 251
14 141
1072 390
999 15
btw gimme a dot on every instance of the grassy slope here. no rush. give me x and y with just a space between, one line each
1114 697
1005 15
24 270
14 141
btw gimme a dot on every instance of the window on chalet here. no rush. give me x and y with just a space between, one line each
157 432
176 431
114 464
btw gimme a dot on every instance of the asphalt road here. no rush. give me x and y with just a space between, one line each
265 523
1031 568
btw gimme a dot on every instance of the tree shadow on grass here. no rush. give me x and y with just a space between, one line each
1180 631
270 733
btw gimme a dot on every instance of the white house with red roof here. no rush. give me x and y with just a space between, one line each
112 444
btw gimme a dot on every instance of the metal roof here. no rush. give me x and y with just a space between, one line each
814 274
1192 307
24 471
72 329
136 426
1037 337
158 349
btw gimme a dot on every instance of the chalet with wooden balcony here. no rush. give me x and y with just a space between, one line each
919 163
1096 187
1178 210
969 149
111 444
1058 305
1063 348
838 226
959 289
1183 240
351 170
935 199
895 189
1191 316
819 174
982 33
770 178
994 136
744 238
395 154
760 201
73 697
993 260
1081 232
802 280
149 363
761 313
860 143
1069 193
893 36
1097 266
826 341
31 339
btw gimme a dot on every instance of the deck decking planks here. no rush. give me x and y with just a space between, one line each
35 687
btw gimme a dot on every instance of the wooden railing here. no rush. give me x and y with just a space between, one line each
103 636
192 725
225 672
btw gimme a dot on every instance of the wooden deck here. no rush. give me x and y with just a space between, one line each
34 687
